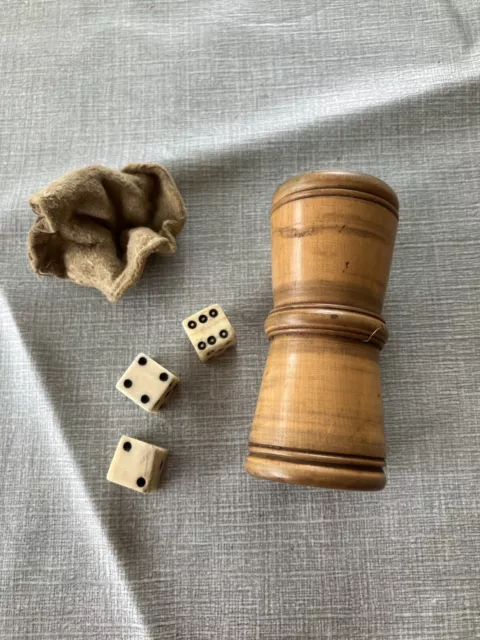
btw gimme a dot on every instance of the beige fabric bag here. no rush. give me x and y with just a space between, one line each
97 226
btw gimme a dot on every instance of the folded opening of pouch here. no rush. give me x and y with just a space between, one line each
98 226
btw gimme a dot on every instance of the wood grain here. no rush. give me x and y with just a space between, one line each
319 416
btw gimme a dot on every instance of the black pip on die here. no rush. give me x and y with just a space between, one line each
210 332
147 383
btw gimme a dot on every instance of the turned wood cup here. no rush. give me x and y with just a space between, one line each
319 416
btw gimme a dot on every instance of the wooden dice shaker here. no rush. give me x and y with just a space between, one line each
319 416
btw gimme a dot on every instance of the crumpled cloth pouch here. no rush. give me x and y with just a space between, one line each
97 226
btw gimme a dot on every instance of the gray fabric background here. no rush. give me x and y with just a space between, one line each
234 98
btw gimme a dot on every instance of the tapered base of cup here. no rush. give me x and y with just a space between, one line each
329 472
